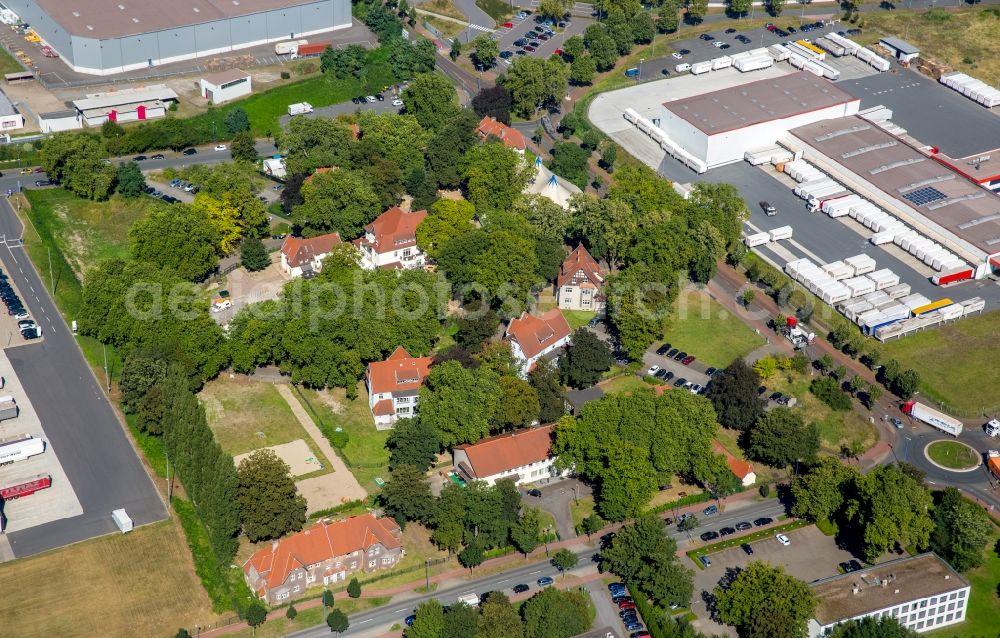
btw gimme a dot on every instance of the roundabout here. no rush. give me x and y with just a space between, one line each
953 456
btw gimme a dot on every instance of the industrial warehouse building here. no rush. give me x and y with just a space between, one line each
127 105
225 86
928 195
104 37
719 127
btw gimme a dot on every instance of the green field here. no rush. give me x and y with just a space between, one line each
496 9
953 455
702 327
8 64
365 452
624 383
957 363
578 318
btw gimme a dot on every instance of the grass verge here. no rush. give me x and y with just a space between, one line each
578 318
953 455
702 327
135 584
737 541
496 9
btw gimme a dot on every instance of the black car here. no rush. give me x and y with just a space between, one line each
707 37
710 371
520 42
661 374
664 349
537 493
775 396
747 549
189 151
139 158
764 520
520 589
730 30
622 599
850 566
782 33
743 39
725 46
708 536
627 613
680 355
158 156
380 97
668 375
743 526
354 100
727 531
149 190
672 352
684 51
506 54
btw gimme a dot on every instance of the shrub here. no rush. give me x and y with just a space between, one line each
285 75
828 391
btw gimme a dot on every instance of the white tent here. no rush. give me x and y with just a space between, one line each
548 184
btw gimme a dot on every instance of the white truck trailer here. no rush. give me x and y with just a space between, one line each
19 448
932 417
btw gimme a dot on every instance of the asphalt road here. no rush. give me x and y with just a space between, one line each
914 437
78 420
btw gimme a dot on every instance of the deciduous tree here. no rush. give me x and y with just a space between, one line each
962 530
762 590
495 176
527 530
337 621
565 560
459 404
494 102
888 507
242 148
428 621
340 201
819 494
485 50
582 70
518 405
446 219
270 506
552 613
131 183
407 496
176 237
499 619
431 98
781 437
586 358
253 254
734 395
551 395
237 121
412 442
534 82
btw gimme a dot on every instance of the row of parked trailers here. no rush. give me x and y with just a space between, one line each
867 56
744 62
759 239
825 194
660 136
972 88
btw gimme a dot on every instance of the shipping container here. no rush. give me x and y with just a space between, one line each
898 291
976 304
783 232
701 67
722 63
831 47
746 65
311 50
915 300
122 520
862 264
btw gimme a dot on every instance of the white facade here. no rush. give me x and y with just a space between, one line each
409 257
731 146
59 121
920 615
526 362
404 405
224 87
531 473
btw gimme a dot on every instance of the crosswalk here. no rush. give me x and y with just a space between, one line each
481 28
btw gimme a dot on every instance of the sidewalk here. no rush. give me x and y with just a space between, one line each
345 486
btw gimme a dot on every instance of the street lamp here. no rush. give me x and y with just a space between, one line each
639 77
427 574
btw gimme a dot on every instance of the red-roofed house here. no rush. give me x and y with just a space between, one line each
394 386
743 470
511 137
578 286
523 455
327 552
531 337
302 256
391 240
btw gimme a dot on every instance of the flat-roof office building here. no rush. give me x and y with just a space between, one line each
104 37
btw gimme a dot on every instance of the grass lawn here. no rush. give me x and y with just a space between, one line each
307 618
139 584
443 7
447 28
578 318
86 232
365 451
952 454
239 411
624 383
496 9
702 327
956 362
944 36
581 509
8 64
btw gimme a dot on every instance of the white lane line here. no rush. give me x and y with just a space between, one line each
537 571
361 622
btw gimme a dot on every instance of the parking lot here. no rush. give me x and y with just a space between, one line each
809 556
545 48
694 372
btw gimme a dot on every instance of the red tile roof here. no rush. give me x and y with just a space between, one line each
508 451
511 137
383 408
319 171
320 542
393 229
739 467
298 251
534 334
580 269
399 373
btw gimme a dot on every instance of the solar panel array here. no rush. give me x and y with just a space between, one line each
923 196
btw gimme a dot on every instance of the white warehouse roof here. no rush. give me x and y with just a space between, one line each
126 96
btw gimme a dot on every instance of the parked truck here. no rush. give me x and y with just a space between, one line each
993 463
289 46
8 408
310 50
26 488
932 417
19 448
300 108
472 600
992 428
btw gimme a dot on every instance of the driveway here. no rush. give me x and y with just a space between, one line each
556 499
607 611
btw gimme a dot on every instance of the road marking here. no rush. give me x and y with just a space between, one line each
537 571
364 621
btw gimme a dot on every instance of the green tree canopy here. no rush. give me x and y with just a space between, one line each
412 442
406 495
338 201
309 143
495 176
270 505
819 493
431 98
734 395
459 404
534 82
962 530
586 358
762 591
446 219
131 183
781 437
871 627
889 507
552 613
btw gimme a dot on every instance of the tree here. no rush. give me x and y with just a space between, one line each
776 7
399 138
551 395
760 590
473 555
459 404
291 612
591 524
337 621
253 255
552 613
131 183
256 615
233 214
605 52
485 50
644 557
460 621
499 619
533 83
142 370
354 588
431 98
341 201
906 383
518 405
406 496
639 306
734 395
688 523
564 560
609 153
766 367
872 627
570 161
669 19
739 7
446 219
586 358
412 442
311 143
781 438
582 70
237 121
962 530
327 598
526 530
609 226
828 391
888 507
696 10
242 148
642 28
269 503
428 621
819 494
494 176
555 9
456 49
494 101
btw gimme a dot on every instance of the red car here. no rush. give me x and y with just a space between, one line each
688 359
626 605
530 48
508 25
558 51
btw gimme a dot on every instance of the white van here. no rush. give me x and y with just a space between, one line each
682 67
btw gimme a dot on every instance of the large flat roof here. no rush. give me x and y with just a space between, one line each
104 19
906 579
111 99
910 177
737 107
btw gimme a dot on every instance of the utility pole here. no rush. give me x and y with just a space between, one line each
52 277
107 374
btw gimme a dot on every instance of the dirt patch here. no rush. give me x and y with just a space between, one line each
321 492
296 454
327 398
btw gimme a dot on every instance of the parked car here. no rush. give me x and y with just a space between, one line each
680 356
220 147
520 42
747 549
730 30
711 510
717 44
850 566
743 39
622 599
707 37
897 423
189 151
660 374
409 620
688 359
529 48
708 536
672 353
626 605
139 158
705 561
506 54
784 540
664 349
545 581
762 521
768 209
537 493
520 588
653 369
743 526
668 375
696 388
680 382
634 626
727 531
43 182
158 156
397 102
711 371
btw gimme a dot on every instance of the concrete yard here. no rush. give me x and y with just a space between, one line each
52 504
296 454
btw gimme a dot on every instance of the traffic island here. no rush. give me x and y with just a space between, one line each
954 456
